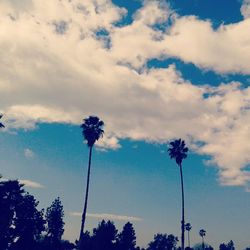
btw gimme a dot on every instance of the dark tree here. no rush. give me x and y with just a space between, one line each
87 241
29 223
104 236
55 224
163 242
228 246
126 240
10 197
188 227
178 151
92 130
202 233
1 124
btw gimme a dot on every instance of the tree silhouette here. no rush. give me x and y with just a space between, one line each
228 246
163 242
10 196
55 224
104 236
28 222
126 240
188 227
92 130
202 233
178 151
1 124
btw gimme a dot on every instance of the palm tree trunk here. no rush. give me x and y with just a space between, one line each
188 240
182 220
86 201
203 245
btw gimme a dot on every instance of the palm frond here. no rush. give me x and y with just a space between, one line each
178 150
92 129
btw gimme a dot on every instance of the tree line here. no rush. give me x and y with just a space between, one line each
25 227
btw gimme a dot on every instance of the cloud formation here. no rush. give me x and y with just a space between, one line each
64 60
31 184
104 216
28 153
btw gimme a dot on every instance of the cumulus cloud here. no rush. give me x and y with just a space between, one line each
245 9
109 216
28 153
62 73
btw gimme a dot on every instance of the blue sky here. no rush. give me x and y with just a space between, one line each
153 71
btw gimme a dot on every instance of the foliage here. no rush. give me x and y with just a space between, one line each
188 227
1 124
178 150
126 240
228 246
202 233
92 129
104 236
163 242
55 224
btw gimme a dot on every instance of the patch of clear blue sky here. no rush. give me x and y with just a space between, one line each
219 11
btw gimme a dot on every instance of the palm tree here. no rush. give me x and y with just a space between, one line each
92 130
188 227
202 233
178 151
1 124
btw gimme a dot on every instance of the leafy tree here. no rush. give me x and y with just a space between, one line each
55 224
228 246
202 233
29 223
92 130
163 242
104 236
1 124
126 240
188 227
178 151
10 196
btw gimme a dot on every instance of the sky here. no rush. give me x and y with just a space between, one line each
153 71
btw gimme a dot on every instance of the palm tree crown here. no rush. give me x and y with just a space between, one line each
92 129
178 150
1 124
188 227
202 233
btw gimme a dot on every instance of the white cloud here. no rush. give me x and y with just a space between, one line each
31 184
28 153
65 76
225 50
108 142
109 216
245 9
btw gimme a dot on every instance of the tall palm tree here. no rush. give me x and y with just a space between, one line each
1 124
92 130
202 233
178 151
188 227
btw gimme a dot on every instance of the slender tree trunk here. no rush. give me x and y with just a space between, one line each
183 218
203 245
188 240
86 201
